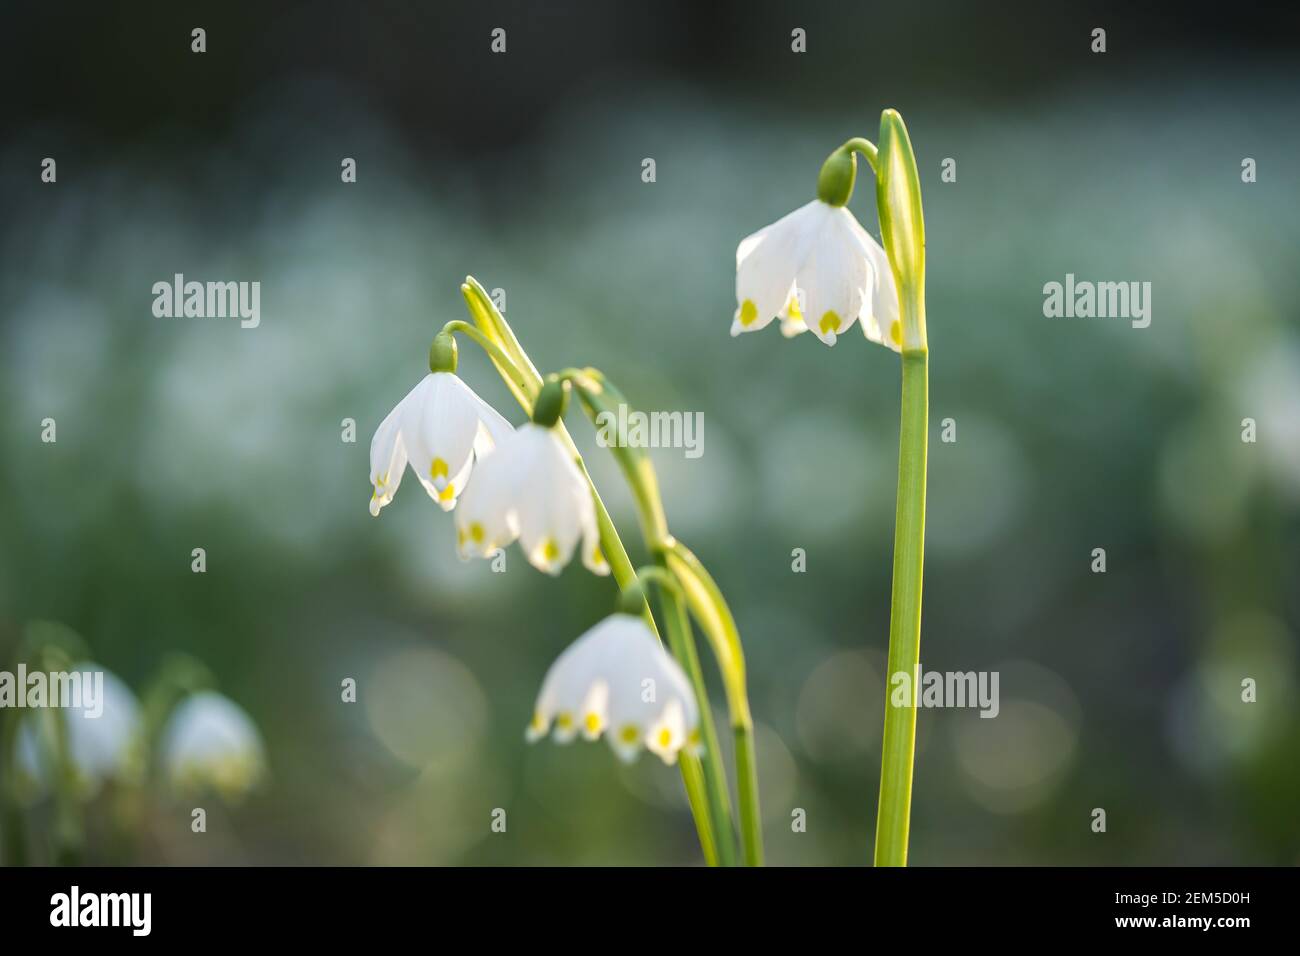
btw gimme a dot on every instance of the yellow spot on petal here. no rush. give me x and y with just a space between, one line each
830 323
476 532
748 312
447 493
896 332
629 734
665 737
539 723
792 309
592 723
381 481
460 537
550 550
564 720
438 469
597 556
693 738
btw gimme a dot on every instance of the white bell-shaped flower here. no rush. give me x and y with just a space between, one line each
100 748
530 488
210 743
816 269
618 680
440 427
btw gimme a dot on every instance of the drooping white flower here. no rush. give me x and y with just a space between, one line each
100 748
530 488
210 743
440 427
618 680
817 269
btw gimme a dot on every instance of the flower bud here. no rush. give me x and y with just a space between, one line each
902 225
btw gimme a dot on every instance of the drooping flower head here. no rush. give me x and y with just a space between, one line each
530 488
817 269
439 428
210 743
617 680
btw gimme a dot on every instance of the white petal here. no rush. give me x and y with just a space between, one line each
485 518
880 309
387 460
834 280
553 501
767 263
439 433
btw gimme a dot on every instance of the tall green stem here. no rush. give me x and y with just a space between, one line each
898 751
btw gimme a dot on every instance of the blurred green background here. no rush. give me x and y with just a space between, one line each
1119 691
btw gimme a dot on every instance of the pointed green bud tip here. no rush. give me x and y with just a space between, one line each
898 198
835 181
902 224
550 404
442 353
631 600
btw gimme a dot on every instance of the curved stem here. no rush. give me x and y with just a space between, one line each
710 608
865 148
509 371
898 751
600 398
678 626
524 382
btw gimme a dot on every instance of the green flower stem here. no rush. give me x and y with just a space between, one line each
11 814
69 831
514 378
597 396
898 751
714 616
683 647
496 337
864 147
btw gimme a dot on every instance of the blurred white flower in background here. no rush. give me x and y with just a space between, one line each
100 748
210 743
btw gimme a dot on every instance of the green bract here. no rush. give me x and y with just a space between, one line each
902 226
